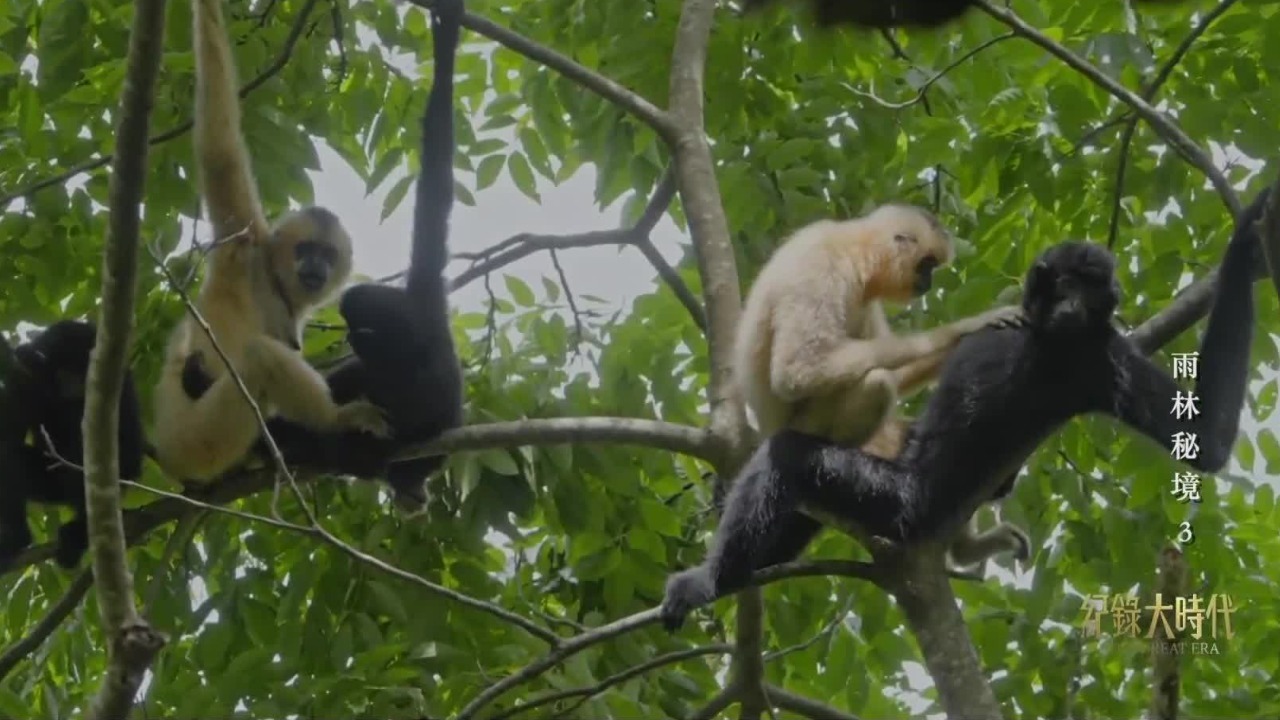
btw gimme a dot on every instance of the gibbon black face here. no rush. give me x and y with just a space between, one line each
313 264
1072 289
924 274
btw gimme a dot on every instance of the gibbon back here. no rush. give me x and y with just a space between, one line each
261 284
43 395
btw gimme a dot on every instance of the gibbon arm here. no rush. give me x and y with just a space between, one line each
917 373
812 355
222 159
1146 395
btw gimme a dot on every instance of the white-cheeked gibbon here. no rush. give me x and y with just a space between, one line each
814 351
261 283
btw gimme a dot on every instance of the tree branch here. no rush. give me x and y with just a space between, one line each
520 246
605 87
317 532
1149 93
1166 675
717 704
241 484
1163 125
295 33
704 208
576 644
67 604
132 643
804 706
1194 302
586 693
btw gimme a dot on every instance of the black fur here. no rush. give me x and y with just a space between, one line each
45 388
880 14
1000 394
405 360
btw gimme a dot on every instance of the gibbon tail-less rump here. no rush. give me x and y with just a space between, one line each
261 284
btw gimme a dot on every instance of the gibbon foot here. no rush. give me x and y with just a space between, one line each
1020 544
686 591
364 416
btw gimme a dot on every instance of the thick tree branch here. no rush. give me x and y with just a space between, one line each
1163 125
1166 675
295 33
920 585
243 483
131 642
1148 94
62 609
700 196
557 431
597 83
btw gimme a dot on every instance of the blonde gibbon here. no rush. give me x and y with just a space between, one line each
814 351
261 283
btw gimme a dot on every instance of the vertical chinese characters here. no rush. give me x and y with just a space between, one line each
1186 485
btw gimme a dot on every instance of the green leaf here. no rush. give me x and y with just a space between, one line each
487 171
522 176
520 292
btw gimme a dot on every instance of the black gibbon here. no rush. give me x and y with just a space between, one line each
405 361
886 14
262 283
1001 393
814 351
43 395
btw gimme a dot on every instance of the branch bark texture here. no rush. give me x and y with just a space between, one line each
131 642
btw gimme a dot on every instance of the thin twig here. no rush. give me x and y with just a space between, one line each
573 305
1165 127
1148 94
924 88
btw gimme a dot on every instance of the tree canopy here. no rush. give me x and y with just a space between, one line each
528 588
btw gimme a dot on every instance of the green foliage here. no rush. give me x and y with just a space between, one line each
1014 150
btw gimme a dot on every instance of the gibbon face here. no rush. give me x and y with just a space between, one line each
914 244
310 255
1071 289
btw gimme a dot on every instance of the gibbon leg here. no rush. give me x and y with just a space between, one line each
760 526
852 412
